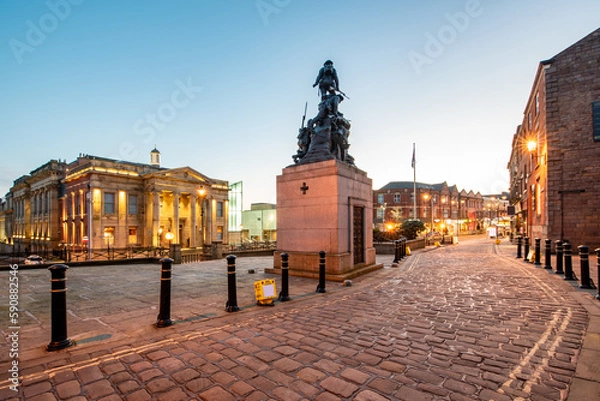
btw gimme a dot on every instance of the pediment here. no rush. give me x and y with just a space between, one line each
185 174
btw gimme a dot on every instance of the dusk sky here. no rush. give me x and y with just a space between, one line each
220 86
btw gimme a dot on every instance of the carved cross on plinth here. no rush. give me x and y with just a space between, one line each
304 188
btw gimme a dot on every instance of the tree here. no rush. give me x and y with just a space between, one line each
412 228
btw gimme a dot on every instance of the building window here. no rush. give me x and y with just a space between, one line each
219 233
380 199
219 209
109 203
537 103
596 120
109 235
380 211
396 198
133 204
132 235
77 204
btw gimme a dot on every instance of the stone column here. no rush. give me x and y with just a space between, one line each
176 239
155 218
193 240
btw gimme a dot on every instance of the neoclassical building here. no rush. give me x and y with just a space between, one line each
96 202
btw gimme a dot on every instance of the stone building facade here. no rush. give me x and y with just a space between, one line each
96 202
553 166
441 207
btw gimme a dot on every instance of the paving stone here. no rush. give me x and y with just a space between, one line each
338 386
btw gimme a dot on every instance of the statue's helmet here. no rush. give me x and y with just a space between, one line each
328 62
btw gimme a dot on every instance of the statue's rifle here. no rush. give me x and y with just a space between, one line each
343 94
304 116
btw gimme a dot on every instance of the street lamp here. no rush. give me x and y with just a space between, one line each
169 236
430 197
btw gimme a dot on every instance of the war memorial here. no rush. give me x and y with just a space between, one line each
324 201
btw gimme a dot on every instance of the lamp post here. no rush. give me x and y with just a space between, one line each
158 240
430 197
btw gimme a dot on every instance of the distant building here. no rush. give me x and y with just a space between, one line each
260 223
440 207
100 202
553 166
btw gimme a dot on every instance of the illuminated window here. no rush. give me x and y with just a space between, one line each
132 235
109 203
220 233
109 235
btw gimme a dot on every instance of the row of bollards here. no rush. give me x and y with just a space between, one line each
400 249
564 259
58 311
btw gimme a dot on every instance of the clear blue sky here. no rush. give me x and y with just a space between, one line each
220 86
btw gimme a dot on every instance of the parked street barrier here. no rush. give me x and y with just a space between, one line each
526 252
598 270
321 285
58 309
569 275
519 247
559 257
537 251
164 314
284 294
584 266
231 305
548 258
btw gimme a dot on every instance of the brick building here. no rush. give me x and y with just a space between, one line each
553 167
99 202
441 207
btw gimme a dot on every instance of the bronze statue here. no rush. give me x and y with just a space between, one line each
327 79
325 136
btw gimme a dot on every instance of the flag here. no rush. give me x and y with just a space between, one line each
413 162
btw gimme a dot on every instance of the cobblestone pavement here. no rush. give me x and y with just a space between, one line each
463 322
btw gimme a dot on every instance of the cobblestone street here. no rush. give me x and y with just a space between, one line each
462 322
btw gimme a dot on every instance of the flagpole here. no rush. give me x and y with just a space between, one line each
414 166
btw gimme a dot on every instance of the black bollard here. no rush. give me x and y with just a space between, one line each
568 262
559 257
321 286
284 294
598 270
538 252
526 252
519 247
58 311
584 265
402 248
231 305
164 314
548 258
396 251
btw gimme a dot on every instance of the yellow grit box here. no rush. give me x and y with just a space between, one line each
265 291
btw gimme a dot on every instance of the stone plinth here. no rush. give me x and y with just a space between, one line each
325 206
